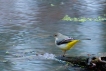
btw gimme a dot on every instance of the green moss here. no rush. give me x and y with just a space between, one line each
52 5
67 18
82 19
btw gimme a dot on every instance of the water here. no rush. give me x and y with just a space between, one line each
27 26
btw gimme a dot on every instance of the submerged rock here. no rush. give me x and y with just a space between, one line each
87 63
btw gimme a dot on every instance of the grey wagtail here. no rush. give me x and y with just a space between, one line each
64 42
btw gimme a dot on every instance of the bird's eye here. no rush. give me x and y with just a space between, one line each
55 35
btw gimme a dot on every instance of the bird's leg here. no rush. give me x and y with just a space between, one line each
64 53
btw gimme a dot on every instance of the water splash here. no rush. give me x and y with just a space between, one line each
45 56
30 56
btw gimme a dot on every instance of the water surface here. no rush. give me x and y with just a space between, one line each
27 26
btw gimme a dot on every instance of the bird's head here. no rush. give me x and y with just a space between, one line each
57 35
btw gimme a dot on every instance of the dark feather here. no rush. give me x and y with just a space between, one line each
63 41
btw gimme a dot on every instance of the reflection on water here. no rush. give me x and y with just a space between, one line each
27 26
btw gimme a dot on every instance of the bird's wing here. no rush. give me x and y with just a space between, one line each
65 41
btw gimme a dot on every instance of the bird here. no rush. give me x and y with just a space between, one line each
64 42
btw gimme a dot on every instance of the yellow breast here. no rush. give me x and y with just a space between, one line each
70 45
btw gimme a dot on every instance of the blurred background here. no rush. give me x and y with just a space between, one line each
27 28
